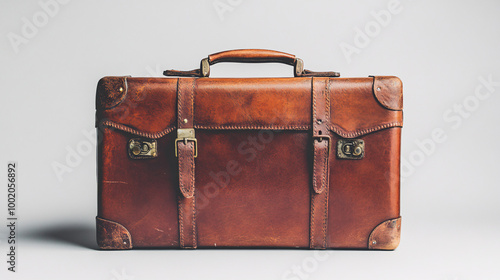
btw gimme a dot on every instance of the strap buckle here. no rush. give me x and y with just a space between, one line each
324 137
186 134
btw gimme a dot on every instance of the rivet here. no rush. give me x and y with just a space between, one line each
357 151
378 89
185 120
120 89
136 150
374 242
319 121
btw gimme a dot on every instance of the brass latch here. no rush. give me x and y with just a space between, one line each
142 148
351 148
186 134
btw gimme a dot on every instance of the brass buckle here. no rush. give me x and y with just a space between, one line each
186 134
324 137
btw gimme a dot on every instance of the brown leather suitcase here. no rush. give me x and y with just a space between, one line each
311 161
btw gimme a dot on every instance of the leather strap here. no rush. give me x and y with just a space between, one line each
186 158
321 153
190 73
309 73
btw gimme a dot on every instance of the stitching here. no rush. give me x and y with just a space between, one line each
313 192
191 159
193 168
311 239
325 217
254 127
314 126
151 135
325 171
344 133
327 88
334 128
181 223
325 164
179 103
192 101
184 190
194 212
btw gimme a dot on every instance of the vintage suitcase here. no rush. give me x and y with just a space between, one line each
311 161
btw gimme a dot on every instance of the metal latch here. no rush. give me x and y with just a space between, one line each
350 148
186 134
139 148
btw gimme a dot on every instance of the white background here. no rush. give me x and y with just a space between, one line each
440 49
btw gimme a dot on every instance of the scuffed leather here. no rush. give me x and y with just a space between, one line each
321 152
112 235
109 94
186 164
389 92
259 132
386 236
247 104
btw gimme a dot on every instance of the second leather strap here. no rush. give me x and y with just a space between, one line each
321 155
186 151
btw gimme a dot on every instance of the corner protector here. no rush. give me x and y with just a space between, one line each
111 91
388 90
112 235
385 236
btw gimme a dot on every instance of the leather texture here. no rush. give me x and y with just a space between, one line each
251 55
112 235
321 157
386 236
267 172
186 163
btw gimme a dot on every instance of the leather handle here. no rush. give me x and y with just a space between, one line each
252 56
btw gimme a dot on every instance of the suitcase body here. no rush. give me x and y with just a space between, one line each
311 161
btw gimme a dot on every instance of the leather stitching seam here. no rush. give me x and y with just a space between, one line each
181 223
344 133
334 128
130 130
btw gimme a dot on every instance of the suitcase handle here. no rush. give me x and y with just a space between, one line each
251 56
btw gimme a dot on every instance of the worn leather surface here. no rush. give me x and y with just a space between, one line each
386 236
321 156
186 151
251 55
389 92
253 178
112 235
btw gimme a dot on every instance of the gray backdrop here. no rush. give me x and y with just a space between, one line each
446 52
